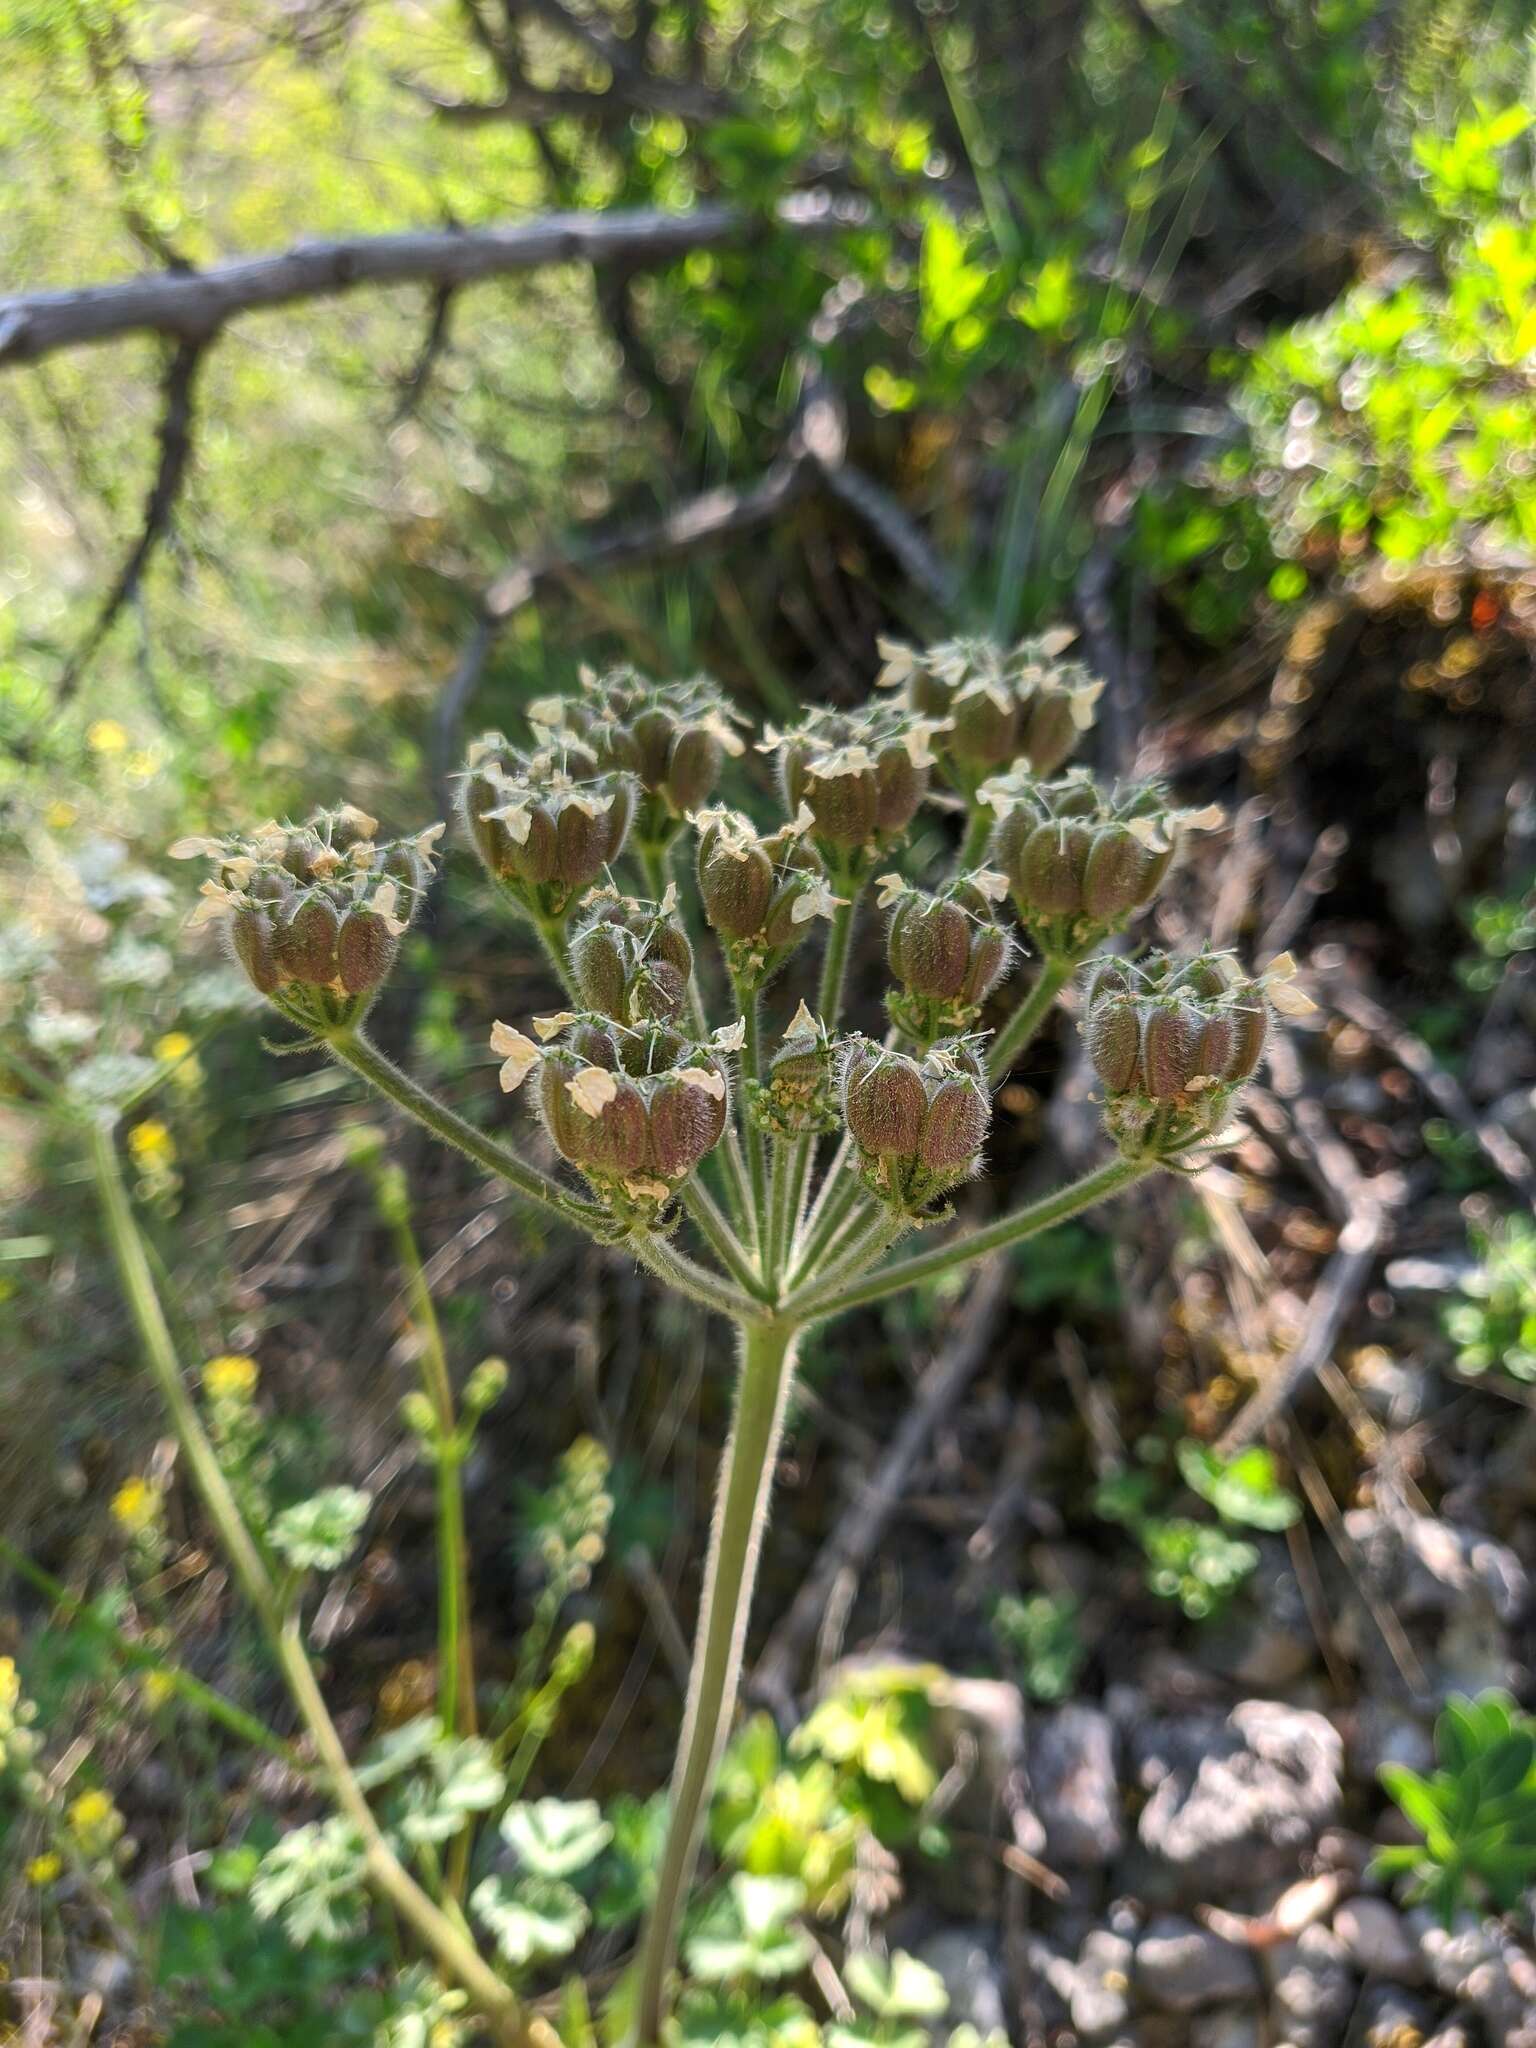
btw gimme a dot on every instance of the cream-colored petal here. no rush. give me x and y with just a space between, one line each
705 1080
890 889
192 849
989 883
592 1090
358 820
802 1024
551 1026
385 900
730 1037
1149 831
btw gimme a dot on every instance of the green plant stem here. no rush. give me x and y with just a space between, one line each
557 949
454 1952
352 1050
697 1282
834 962
717 1232
1017 1034
455 1647
817 1301
741 1507
138 1656
774 1247
868 1239
750 1004
978 831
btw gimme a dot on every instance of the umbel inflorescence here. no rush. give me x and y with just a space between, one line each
797 1152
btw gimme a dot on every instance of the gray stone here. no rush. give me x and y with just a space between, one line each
973 1976
1075 1789
1230 2026
1377 1941
1099 2001
1182 1967
1475 1962
1388 2016
1313 1989
1234 1801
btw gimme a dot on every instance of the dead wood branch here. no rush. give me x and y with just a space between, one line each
193 305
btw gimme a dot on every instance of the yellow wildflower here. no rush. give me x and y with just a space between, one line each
106 736
157 1687
95 1822
151 1144
45 1870
10 1686
136 1506
59 815
231 1377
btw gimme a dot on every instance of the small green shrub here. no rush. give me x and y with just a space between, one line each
1493 1326
1476 1813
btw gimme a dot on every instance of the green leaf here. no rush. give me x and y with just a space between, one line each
556 1837
320 1534
313 1878
535 1920
901 1988
1418 1798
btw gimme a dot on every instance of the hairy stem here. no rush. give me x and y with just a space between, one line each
454 1952
697 1282
977 832
750 1004
722 1240
365 1059
834 962
741 1508
817 1300
1016 1035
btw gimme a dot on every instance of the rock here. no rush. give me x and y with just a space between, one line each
1182 1967
1313 1989
1076 1791
1377 1942
1428 1567
1390 2017
1099 2001
1235 1800
1230 2026
973 1975
979 1723
1474 1961
1383 1732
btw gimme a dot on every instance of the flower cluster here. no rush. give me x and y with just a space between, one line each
996 706
1173 1042
859 776
547 822
632 960
634 1109
760 892
797 1097
674 738
947 951
918 1124
315 912
1081 861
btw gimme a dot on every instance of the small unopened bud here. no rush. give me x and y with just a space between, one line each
798 1096
573 1656
486 1385
419 1416
918 1124
760 892
545 823
859 776
672 737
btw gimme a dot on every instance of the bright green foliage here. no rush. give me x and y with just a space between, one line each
1476 1813
1041 1638
874 1727
1191 1562
747 1937
320 1534
1403 414
556 1837
1493 1326
537 1919
773 1820
1244 1489
313 1878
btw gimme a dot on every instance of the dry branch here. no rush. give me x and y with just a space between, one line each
192 305
175 441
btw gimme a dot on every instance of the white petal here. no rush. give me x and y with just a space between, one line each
552 1026
668 901
891 889
593 806
657 1190
519 1055
190 849
360 822
518 819
730 1037
426 842
801 823
384 901
716 725
1082 705
704 1079
771 740
802 1024
989 883
592 1090
548 712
